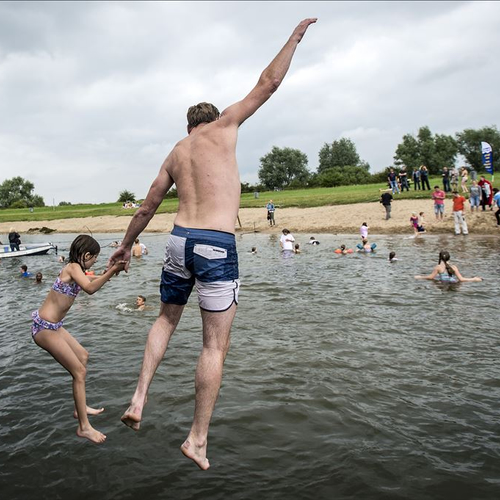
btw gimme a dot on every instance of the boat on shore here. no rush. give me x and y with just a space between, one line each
26 250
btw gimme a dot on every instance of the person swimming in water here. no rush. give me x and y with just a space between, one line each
446 272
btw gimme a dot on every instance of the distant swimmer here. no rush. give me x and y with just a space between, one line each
48 332
201 249
446 272
313 241
392 257
364 246
343 250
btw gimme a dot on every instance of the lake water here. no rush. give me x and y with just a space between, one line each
346 378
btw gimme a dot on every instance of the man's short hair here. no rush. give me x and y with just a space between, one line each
142 297
204 112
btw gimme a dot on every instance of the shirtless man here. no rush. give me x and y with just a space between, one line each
201 249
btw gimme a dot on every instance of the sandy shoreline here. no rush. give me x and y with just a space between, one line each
338 219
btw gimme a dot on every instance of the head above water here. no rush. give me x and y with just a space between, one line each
203 112
444 256
83 248
39 277
392 255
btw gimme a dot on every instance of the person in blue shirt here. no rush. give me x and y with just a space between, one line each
24 271
496 201
270 213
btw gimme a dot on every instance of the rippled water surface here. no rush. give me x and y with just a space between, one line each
346 378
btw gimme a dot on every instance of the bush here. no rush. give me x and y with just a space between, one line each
64 203
19 204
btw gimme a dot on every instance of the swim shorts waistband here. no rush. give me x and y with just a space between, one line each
187 232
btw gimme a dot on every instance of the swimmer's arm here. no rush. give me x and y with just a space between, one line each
429 276
462 279
89 284
269 80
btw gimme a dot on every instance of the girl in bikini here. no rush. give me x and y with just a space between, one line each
446 272
48 332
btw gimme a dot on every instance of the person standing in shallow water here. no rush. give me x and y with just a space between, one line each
201 249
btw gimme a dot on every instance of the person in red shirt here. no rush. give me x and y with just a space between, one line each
458 213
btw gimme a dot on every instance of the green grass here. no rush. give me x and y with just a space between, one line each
302 198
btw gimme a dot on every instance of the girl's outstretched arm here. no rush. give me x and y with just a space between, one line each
90 285
462 279
429 276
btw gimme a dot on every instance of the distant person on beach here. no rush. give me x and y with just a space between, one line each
486 193
465 177
202 247
14 240
424 178
403 179
414 223
474 196
392 180
438 196
48 332
446 272
496 201
386 200
421 222
416 179
458 213
24 271
270 213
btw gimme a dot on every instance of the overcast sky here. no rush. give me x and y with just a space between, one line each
94 95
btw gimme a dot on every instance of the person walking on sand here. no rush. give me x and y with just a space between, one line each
48 332
386 200
270 213
201 249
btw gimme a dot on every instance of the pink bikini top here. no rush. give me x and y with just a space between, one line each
71 290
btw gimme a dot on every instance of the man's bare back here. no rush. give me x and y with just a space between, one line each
204 169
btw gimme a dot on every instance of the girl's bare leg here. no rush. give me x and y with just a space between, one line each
55 343
83 356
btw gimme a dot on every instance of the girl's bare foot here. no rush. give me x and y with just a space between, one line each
196 453
91 434
90 411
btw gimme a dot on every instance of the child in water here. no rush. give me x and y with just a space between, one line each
48 332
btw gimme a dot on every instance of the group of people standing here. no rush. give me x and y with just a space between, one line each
451 176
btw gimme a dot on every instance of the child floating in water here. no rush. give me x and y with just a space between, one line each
48 332
343 250
446 272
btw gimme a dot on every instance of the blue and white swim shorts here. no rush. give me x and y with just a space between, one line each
205 258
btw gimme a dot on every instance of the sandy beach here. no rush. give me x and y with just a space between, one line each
338 219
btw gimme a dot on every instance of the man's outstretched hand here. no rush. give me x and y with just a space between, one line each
300 30
121 254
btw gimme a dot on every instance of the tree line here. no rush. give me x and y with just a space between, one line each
339 165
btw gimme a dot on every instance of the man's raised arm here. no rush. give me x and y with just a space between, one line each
269 80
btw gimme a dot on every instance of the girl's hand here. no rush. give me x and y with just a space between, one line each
119 266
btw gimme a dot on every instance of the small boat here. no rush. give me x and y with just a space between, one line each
25 250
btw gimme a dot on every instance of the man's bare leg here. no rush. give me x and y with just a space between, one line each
216 337
156 345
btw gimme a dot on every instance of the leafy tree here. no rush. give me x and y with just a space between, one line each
469 146
282 166
435 152
126 196
20 190
64 203
341 153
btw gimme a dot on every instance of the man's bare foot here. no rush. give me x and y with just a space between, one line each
196 453
90 411
91 434
132 418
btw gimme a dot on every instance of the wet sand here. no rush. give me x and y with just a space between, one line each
327 219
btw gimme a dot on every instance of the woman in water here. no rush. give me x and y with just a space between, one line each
48 332
446 272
